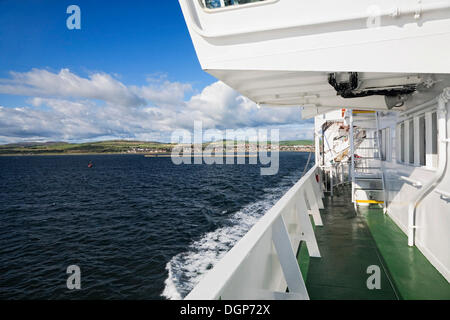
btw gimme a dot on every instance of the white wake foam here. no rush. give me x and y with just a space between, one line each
186 269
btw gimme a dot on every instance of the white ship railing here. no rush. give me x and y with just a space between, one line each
263 264
338 174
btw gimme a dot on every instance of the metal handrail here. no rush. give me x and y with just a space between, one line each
444 195
339 169
413 182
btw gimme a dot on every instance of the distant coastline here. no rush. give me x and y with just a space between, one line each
134 147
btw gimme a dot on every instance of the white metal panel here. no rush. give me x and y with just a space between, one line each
324 35
252 50
403 183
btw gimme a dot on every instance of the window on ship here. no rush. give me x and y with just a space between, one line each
213 4
422 141
411 141
402 142
434 139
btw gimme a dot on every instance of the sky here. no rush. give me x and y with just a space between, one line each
130 72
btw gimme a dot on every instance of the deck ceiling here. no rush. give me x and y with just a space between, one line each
308 89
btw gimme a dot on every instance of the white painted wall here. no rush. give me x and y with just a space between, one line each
433 214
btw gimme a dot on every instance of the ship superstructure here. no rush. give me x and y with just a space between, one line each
375 75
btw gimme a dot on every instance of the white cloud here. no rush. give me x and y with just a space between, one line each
38 82
65 106
222 107
163 92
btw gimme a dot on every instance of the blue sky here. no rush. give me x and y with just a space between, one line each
131 72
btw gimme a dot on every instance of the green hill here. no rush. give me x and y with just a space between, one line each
101 147
114 146
296 143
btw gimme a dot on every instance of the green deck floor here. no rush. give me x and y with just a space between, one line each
351 242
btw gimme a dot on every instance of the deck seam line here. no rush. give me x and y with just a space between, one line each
336 286
380 257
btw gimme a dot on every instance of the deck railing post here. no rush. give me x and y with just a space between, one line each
288 260
313 205
318 193
306 229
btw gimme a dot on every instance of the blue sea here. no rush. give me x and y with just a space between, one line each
138 228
